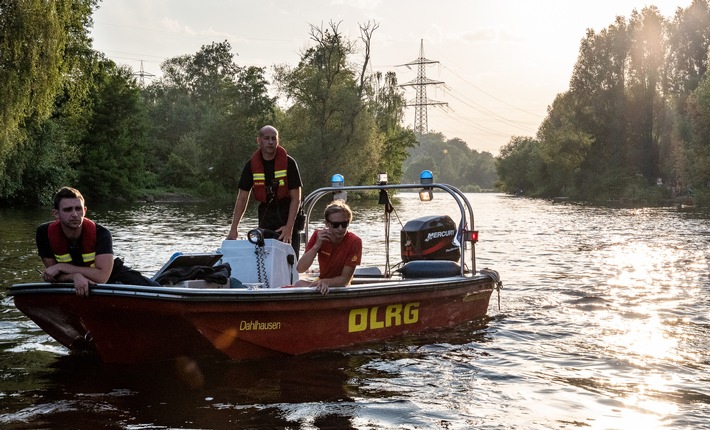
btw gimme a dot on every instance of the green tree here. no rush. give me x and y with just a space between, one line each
645 101
32 39
41 44
520 166
565 148
481 173
598 85
688 45
35 169
698 146
451 161
111 164
637 110
205 112
687 63
388 104
328 127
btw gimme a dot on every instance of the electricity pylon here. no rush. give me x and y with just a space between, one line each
421 102
142 75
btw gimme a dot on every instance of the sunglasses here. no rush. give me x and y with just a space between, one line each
343 224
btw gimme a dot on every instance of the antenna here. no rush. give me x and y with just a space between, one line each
142 75
421 101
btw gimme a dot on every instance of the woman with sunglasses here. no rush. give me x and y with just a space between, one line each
339 251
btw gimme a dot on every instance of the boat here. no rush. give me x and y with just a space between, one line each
258 312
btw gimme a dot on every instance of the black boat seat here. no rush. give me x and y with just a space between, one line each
368 272
429 269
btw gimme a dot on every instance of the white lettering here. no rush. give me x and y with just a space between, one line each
439 234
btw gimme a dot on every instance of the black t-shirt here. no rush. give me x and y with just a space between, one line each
104 244
120 274
272 215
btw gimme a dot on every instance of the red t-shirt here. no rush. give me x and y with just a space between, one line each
332 258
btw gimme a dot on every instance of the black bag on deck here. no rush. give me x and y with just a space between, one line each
122 274
218 274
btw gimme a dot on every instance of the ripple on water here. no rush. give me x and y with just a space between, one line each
604 321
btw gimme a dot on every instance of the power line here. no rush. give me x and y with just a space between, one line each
493 115
491 95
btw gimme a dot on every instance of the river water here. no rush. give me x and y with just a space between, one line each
603 323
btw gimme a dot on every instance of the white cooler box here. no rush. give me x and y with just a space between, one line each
241 257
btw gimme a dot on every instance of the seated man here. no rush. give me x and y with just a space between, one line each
339 251
75 249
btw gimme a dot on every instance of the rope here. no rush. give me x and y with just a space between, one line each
408 242
387 244
497 283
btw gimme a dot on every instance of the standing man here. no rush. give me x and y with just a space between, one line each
274 177
75 249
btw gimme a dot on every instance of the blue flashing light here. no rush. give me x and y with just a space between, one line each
337 180
426 177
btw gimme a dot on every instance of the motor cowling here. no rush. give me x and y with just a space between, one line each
430 238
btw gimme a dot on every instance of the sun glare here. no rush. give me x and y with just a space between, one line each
641 289
643 282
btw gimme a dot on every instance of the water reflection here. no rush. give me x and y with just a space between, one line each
604 324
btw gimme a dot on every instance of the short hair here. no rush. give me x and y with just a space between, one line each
271 127
338 206
67 193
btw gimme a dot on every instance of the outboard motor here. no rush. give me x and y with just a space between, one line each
430 238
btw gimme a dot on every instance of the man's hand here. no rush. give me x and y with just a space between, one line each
324 235
51 273
321 286
285 233
81 285
62 273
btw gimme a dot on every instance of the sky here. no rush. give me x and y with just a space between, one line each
501 62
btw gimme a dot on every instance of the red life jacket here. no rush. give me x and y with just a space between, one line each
280 174
60 244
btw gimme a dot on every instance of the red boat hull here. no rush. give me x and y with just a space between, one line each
131 324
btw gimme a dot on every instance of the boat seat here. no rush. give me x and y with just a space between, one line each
429 269
368 272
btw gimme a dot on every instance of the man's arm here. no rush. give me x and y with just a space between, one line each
306 260
81 276
287 230
344 279
64 272
239 208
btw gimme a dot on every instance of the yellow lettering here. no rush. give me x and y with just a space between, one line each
362 319
357 320
393 315
373 319
411 313
256 325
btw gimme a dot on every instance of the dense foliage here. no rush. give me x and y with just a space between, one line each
71 117
45 74
452 162
203 115
339 119
635 120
